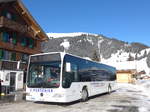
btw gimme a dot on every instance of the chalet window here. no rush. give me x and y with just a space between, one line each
8 15
14 38
14 17
6 55
4 13
25 57
5 37
24 42
13 56
31 43
27 42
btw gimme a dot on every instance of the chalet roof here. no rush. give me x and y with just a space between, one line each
19 6
126 71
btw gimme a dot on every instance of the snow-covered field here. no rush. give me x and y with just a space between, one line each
119 60
141 85
121 63
144 85
139 91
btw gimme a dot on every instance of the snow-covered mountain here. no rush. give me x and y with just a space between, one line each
58 35
122 55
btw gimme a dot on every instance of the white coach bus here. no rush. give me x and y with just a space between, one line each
61 77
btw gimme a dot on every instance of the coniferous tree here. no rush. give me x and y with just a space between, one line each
145 53
136 57
130 58
95 56
148 60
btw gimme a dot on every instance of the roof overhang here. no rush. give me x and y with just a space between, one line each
132 71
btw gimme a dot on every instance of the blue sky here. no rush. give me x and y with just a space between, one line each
127 20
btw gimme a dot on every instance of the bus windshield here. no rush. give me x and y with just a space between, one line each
44 73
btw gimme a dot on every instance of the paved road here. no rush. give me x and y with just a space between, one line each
125 99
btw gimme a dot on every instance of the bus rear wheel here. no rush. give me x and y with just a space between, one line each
84 95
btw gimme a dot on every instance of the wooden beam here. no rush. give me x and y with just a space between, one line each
23 12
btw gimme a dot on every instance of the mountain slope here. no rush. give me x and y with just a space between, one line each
88 45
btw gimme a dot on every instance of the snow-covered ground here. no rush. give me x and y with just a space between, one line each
141 85
139 93
127 98
144 85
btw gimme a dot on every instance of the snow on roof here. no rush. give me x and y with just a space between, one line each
59 35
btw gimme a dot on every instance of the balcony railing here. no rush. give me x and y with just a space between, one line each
4 22
12 65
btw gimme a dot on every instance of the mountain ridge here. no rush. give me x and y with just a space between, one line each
96 45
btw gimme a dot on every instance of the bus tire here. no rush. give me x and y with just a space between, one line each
109 89
84 95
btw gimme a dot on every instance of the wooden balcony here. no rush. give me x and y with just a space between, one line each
7 23
19 48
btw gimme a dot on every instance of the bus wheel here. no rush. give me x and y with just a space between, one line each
84 95
109 89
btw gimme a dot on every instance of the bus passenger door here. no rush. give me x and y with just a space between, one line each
72 76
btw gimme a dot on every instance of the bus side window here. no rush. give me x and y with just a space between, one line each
70 75
74 70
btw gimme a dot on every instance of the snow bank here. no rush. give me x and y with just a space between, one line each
141 85
144 85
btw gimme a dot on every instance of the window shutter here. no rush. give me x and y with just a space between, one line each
1 54
23 42
1 36
13 56
9 55
4 13
31 43
14 41
6 53
5 37
14 17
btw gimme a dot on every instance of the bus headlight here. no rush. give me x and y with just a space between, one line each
57 95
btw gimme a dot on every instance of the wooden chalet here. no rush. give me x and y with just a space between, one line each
126 76
20 34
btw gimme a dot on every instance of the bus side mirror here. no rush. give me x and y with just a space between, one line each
68 67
